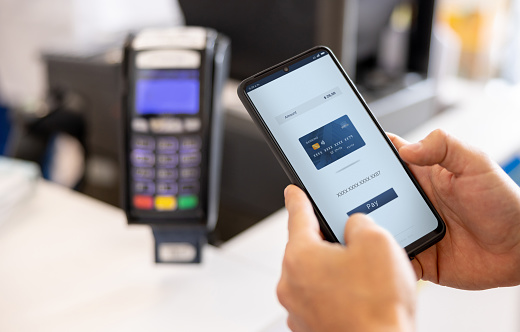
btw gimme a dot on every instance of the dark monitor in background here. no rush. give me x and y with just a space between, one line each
266 32
262 33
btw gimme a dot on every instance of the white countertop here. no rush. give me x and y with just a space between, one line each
70 263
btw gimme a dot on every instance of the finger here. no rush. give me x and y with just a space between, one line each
418 269
295 324
302 220
362 230
443 149
357 224
427 267
291 323
282 291
398 142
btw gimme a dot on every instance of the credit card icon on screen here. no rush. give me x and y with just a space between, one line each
332 142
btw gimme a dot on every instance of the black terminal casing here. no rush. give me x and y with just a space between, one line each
213 73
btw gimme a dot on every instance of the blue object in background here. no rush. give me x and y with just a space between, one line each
512 168
5 128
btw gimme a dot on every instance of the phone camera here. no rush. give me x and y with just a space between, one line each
286 69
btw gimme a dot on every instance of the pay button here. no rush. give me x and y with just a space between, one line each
375 203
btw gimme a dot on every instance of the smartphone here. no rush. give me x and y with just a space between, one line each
331 145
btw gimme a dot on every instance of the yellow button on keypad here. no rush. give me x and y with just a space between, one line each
165 203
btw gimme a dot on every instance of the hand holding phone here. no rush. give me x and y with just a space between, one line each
372 270
481 206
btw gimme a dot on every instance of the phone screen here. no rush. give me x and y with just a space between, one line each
337 150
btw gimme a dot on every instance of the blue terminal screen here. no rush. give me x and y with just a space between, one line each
167 91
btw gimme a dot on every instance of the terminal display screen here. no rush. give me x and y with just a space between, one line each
172 91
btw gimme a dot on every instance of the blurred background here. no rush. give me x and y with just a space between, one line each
420 64
59 76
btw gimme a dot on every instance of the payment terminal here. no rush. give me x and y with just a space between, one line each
172 135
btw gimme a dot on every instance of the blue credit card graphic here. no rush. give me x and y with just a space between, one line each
332 142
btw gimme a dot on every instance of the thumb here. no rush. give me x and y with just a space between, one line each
302 220
359 224
447 151
363 234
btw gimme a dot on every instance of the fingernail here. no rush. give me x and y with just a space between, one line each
285 191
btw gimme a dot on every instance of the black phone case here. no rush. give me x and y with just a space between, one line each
414 248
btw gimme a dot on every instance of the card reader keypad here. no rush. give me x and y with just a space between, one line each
166 170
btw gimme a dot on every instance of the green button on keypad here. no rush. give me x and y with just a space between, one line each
188 202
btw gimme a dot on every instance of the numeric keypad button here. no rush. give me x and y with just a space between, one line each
144 143
167 144
191 143
147 173
143 158
190 159
167 174
167 160
144 187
